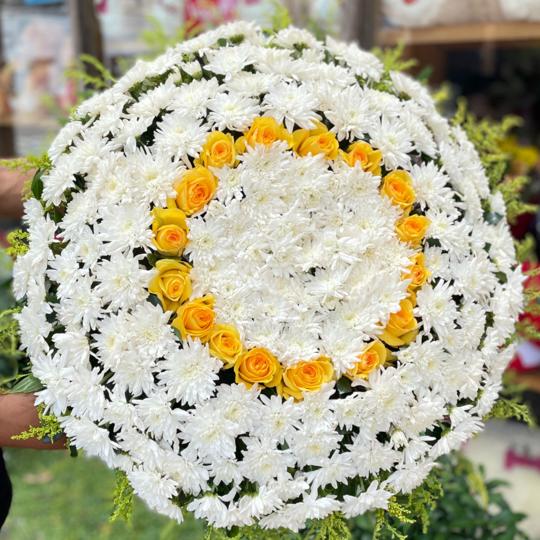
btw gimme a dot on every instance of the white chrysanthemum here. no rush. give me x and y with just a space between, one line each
291 104
189 375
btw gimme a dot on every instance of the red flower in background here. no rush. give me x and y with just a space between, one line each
528 352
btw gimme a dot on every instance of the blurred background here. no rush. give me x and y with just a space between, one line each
487 51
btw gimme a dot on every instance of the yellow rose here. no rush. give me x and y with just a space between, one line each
172 285
264 130
397 186
402 327
195 189
196 318
418 273
257 366
306 376
316 141
224 343
412 229
362 152
218 150
170 231
373 356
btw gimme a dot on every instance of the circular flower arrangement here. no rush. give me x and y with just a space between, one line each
267 280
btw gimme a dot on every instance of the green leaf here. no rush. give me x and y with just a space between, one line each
27 385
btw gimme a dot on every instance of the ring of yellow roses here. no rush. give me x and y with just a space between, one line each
196 319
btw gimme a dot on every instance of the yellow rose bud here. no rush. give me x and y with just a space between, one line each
315 141
323 143
195 189
196 318
224 343
402 327
306 376
170 231
218 150
362 152
418 273
257 366
172 285
372 357
265 130
397 186
413 229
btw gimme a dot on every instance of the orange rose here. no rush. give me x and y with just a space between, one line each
418 273
172 285
264 130
373 356
306 376
316 141
257 366
195 189
397 186
218 150
170 231
402 327
224 343
196 318
362 152
413 229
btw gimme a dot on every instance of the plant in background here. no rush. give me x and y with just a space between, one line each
161 338
469 507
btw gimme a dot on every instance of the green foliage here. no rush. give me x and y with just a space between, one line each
487 135
409 510
49 428
280 17
525 249
18 243
392 58
511 188
249 533
157 40
469 507
123 498
9 347
333 527
90 72
28 163
510 408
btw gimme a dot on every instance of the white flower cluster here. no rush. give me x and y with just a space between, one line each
302 257
301 283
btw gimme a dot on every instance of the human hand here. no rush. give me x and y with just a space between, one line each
17 414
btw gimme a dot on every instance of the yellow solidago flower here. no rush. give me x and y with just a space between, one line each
397 186
306 376
372 357
362 152
315 141
224 343
218 150
172 285
196 318
195 189
170 231
264 130
402 327
412 229
258 366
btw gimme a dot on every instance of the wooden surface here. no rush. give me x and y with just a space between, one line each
506 32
